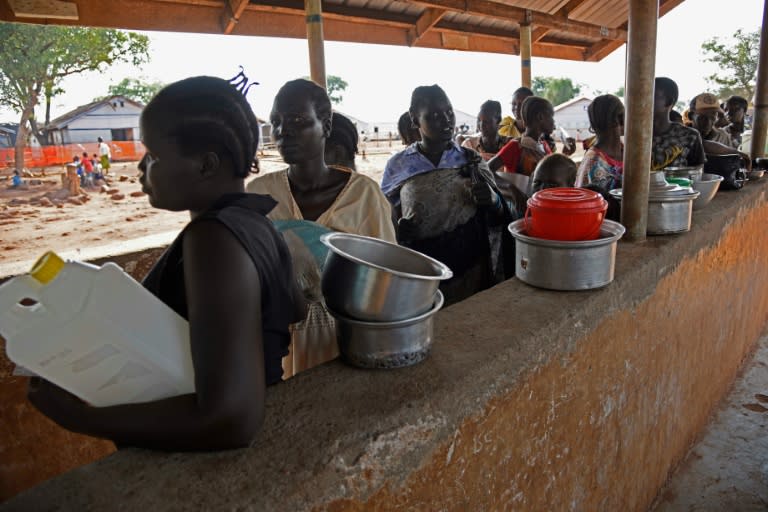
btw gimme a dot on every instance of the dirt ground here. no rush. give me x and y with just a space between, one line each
43 217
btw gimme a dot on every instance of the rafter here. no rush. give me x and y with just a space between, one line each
233 9
426 21
538 33
507 12
600 50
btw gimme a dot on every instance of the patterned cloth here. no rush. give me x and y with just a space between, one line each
679 146
508 128
599 169
522 155
410 162
475 142
721 136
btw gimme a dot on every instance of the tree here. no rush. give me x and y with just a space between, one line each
619 92
136 89
334 84
556 90
737 63
34 59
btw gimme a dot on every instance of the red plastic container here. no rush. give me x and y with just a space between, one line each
565 214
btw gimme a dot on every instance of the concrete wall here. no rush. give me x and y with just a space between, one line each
530 400
574 116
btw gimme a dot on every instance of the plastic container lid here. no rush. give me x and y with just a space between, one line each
47 267
567 198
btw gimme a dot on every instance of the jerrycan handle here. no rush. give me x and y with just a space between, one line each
13 313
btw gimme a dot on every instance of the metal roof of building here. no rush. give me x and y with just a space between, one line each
586 30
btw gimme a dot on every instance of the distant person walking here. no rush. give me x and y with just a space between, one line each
105 155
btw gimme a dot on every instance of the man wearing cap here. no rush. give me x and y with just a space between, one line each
703 113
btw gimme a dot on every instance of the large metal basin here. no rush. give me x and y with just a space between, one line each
668 213
556 265
707 186
386 344
369 279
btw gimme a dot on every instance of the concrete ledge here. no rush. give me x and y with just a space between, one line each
531 400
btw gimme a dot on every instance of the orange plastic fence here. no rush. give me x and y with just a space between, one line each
46 156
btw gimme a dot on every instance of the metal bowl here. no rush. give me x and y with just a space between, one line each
707 186
692 173
755 174
369 279
386 344
555 265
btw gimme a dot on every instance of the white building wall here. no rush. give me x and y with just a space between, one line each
100 122
574 117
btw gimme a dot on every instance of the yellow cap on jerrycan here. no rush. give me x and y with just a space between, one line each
47 267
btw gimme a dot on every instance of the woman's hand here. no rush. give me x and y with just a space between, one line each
58 404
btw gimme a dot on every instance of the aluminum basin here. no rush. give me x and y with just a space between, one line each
386 344
556 265
372 280
707 186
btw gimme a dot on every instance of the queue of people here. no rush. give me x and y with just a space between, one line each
254 248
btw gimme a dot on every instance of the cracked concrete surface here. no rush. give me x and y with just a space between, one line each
727 470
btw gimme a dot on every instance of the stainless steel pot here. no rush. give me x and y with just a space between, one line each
556 265
386 344
669 206
369 279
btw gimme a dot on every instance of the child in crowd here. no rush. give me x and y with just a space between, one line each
314 198
87 170
16 181
228 272
735 113
554 171
522 155
488 142
408 132
603 163
341 146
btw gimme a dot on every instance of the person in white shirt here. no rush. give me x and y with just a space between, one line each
105 155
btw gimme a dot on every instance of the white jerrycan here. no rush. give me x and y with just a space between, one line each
95 332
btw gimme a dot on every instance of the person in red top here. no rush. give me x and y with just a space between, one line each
521 155
88 170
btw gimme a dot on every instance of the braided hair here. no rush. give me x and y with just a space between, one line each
532 107
209 114
603 112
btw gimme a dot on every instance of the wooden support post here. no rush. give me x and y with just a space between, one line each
314 13
760 124
525 51
638 127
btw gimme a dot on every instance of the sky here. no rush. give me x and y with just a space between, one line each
381 77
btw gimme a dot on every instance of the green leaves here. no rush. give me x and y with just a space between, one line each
137 89
556 90
737 63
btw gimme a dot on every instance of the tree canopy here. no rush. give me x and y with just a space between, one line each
556 90
334 84
36 58
736 59
137 89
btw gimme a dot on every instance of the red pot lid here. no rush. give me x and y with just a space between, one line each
567 198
